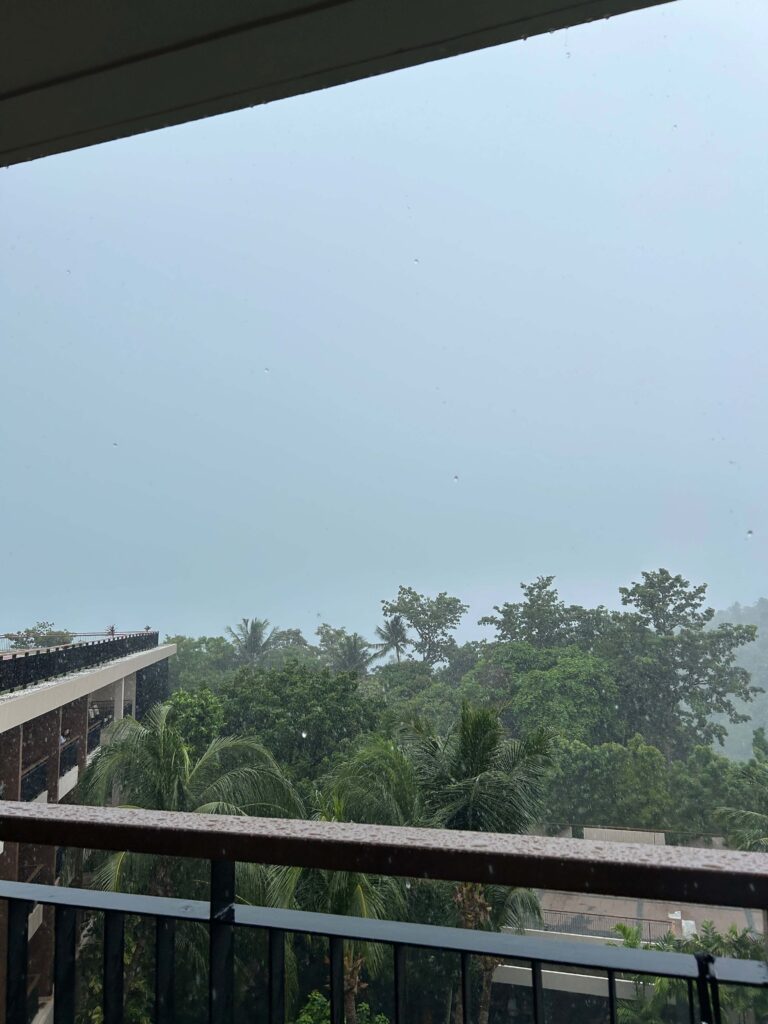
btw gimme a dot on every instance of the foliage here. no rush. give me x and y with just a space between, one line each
433 620
754 658
42 634
342 651
476 778
659 1000
198 715
747 825
205 661
252 640
301 712
392 637
673 670
149 765
317 1010
609 785
543 620
461 659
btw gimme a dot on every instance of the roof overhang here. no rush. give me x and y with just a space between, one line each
86 71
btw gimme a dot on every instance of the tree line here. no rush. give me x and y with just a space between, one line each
568 716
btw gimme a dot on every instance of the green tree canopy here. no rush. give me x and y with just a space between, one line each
342 651
609 785
542 620
42 634
198 716
301 712
204 661
432 619
252 640
674 671
392 638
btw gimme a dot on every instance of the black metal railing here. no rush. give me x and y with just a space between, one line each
68 757
94 738
580 866
603 925
34 781
26 668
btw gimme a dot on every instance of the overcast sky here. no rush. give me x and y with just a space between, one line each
498 316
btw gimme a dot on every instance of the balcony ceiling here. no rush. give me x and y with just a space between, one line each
86 71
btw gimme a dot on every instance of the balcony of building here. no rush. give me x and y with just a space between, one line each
536 976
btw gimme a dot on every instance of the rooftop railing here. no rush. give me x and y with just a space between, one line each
20 669
723 878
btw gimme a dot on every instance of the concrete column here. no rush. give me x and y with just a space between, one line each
10 783
118 697
10 763
130 692
53 736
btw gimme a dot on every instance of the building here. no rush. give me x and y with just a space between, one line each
54 706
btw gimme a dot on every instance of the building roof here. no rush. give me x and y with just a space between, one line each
87 71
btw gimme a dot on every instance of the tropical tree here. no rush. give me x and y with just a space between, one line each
492 908
301 712
393 638
352 655
42 634
659 999
342 651
347 893
252 640
748 828
474 778
433 620
149 764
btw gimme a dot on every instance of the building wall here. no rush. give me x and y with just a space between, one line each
36 726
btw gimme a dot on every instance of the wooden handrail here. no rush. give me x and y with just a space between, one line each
683 874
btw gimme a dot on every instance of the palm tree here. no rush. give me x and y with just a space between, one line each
377 785
748 830
147 764
352 654
252 640
348 893
473 778
393 636
477 779
492 908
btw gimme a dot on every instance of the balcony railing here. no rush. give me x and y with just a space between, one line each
602 925
26 668
68 757
34 781
701 876
94 737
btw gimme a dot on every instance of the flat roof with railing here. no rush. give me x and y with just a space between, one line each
709 876
23 668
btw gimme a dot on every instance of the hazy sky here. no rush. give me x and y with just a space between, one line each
499 316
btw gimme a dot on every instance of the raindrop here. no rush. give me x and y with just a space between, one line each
750 533
455 478
266 369
415 260
407 884
303 734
